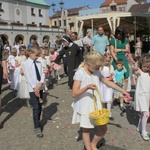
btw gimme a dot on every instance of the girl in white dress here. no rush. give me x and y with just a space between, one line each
107 92
23 92
43 61
142 94
87 79
12 67
138 47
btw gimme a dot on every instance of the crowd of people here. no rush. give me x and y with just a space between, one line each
93 63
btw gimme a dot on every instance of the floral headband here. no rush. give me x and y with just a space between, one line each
107 56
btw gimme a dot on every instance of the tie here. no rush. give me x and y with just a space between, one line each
37 71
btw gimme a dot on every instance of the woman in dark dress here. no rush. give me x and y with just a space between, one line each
74 58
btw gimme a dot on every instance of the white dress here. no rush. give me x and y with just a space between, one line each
43 62
21 81
142 93
83 104
11 66
106 91
138 50
16 74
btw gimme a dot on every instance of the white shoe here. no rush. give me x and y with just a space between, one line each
145 136
58 77
46 89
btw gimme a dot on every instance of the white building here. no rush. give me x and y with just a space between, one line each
25 19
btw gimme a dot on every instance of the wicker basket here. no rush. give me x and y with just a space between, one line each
99 117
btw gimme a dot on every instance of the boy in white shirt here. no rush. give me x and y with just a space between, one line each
35 77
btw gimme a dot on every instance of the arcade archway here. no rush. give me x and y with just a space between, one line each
19 38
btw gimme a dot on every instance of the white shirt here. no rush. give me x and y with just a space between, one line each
30 74
43 61
79 43
87 40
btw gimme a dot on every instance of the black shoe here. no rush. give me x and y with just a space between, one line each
38 133
123 110
111 118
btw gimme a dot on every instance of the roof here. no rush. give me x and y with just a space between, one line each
108 2
71 11
140 8
39 2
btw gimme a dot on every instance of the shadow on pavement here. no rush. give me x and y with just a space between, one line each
10 104
111 147
114 124
132 115
48 112
8 98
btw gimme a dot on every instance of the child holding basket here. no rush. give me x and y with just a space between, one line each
86 81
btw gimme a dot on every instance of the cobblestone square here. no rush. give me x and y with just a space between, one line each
59 134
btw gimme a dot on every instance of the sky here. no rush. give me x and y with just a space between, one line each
76 3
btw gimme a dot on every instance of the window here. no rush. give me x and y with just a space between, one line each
40 13
33 22
40 24
1 7
55 23
59 23
18 12
113 8
64 22
32 12
104 10
122 9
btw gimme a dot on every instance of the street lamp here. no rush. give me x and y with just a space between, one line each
61 4
53 5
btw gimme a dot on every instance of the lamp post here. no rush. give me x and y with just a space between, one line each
53 5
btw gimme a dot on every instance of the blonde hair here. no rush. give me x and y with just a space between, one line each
144 59
14 51
94 58
52 50
109 66
34 49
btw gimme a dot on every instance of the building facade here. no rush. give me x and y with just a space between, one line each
117 5
24 20
66 18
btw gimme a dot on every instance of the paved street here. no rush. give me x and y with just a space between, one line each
59 134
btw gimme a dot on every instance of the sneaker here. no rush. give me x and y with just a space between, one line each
28 103
111 118
145 137
38 133
58 77
46 88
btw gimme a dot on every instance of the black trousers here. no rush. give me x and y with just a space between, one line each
36 107
70 78
65 65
